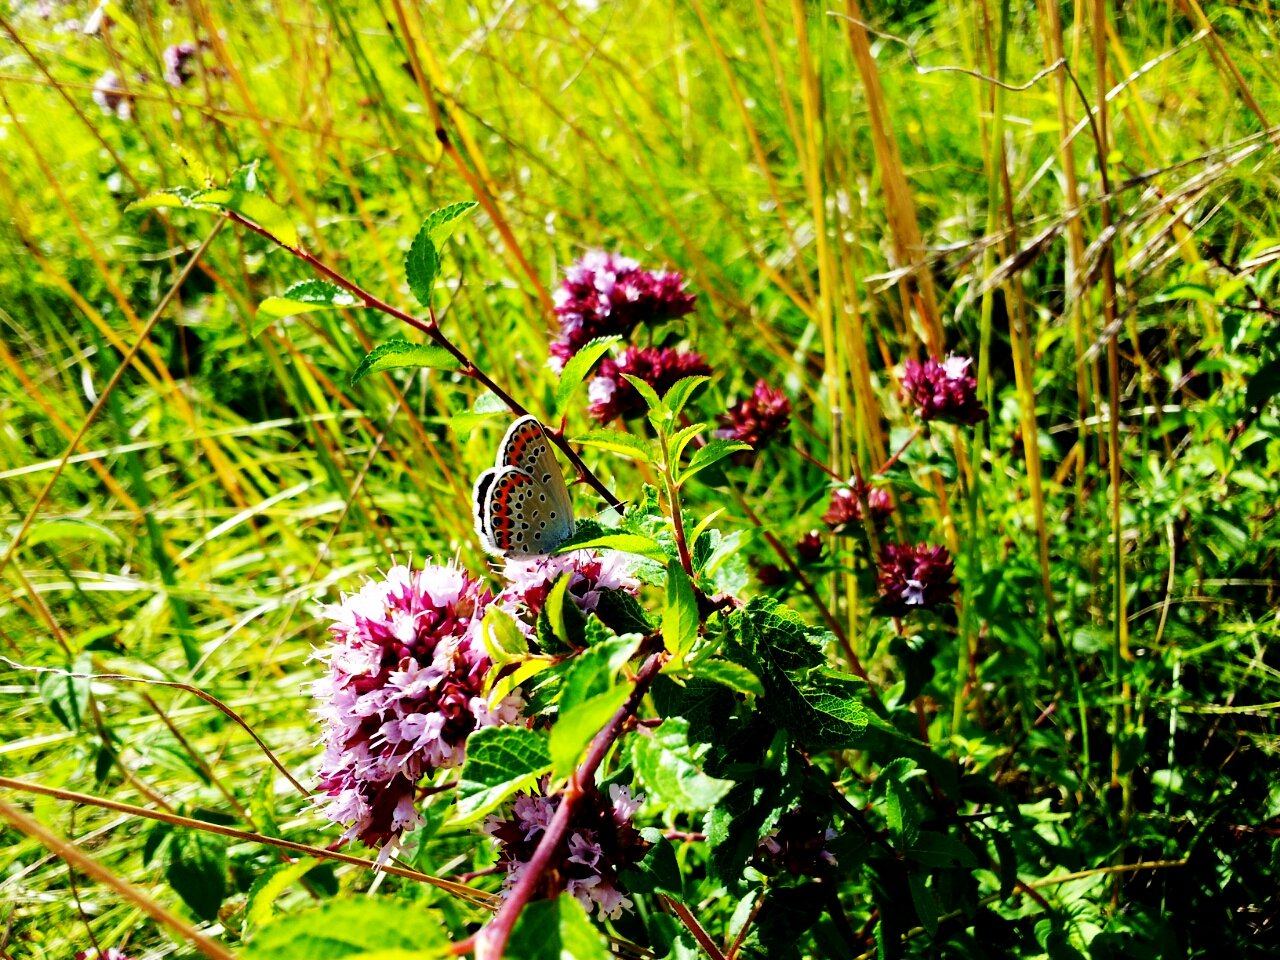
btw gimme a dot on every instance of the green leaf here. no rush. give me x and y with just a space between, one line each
1263 385
163 199
680 392
679 613
504 641
576 370
595 670
306 296
422 262
575 728
680 440
70 528
617 442
66 696
940 850
820 707
623 543
401 353
500 761
925 902
197 870
556 929
730 674
350 928
715 451
269 887
658 413
670 772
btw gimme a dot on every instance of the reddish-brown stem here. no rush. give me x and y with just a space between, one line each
900 451
694 927
677 518
491 941
430 328
746 927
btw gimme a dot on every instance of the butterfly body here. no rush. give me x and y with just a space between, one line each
522 506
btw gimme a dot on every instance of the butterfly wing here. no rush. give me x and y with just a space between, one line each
518 515
526 447
479 500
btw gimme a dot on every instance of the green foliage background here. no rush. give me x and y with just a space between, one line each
233 480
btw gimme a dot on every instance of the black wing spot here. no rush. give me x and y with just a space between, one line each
537 536
552 514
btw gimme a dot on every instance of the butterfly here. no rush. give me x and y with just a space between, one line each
522 505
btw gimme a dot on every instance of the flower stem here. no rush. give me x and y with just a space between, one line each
432 330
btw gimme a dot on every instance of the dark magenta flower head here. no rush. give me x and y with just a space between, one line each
797 845
612 397
406 671
809 547
914 577
945 391
759 419
605 294
179 62
844 511
600 843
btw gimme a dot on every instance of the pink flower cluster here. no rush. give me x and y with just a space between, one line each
914 577
403 691
605 294
111 953
600 842
945 391
180 62
763 417
845 509
613 397
530 578
110 95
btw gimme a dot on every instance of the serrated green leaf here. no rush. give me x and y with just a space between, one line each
269 887
395 354
307 296
422 262
556 929
350 928
680 440
730 674
617 442
935 849
670 772
680 392
197 870
500 761
622 542
575 728
595 670
679 613
926 903
658 413
576 370
715 450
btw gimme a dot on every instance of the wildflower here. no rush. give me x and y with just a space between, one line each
613 397
914 577
591 573
770 575
946 391
599 843
180 63
604 294
403 692
809 547
110 95
111 953
798 844
759 419
845 508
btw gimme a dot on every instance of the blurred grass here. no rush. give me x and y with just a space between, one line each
231 482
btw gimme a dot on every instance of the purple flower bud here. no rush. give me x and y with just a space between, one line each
605 294
600 843
613 397
797 845
914 577
109 94
945 391
761 418
770 575
403 692
844 511
180 62
809 547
